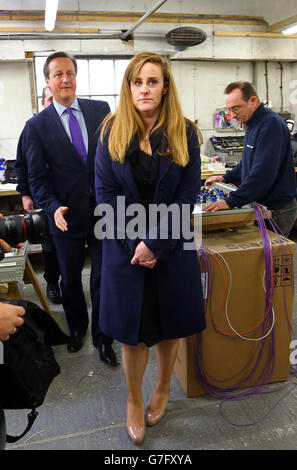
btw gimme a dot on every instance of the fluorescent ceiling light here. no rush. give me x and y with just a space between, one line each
51 8
290 29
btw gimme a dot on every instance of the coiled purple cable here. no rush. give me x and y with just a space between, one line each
226 393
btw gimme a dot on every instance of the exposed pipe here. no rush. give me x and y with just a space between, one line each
266 81
24 37
51 36
281 86
125 36
120 35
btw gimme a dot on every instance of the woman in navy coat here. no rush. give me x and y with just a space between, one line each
148 154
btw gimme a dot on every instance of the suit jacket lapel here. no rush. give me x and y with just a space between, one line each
164 162
61 134
60 131
124 171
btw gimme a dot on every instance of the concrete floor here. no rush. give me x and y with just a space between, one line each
85 407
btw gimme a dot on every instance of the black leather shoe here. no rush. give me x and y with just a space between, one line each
75 342
108 355
53 292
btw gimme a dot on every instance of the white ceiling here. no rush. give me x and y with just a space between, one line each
272 10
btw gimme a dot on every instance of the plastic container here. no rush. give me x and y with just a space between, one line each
2 168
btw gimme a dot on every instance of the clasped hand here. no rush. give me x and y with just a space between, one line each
144 256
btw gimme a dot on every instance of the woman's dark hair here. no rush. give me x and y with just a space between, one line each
55 55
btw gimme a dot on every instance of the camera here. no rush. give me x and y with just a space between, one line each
32 226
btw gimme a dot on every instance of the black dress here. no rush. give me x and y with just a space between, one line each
145 171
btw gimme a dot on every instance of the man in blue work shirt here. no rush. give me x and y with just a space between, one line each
266 169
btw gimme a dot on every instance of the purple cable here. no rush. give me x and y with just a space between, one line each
203 379
223 393
277 231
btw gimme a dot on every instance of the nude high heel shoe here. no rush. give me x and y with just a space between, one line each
156 409
136 433
135 426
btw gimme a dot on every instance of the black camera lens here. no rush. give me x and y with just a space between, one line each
36 226
12 229
31 226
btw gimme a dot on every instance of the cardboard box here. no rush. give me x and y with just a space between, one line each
232 361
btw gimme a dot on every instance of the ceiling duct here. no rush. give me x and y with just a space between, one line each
185 37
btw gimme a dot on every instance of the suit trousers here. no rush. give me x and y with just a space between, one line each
71 257
50 260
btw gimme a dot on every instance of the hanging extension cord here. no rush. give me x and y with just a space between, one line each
227 302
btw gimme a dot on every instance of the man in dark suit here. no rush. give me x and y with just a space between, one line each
51 265
60 148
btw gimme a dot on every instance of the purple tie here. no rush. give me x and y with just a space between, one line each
76 135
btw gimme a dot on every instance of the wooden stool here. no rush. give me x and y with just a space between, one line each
29 278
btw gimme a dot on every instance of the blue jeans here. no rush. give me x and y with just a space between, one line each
285 217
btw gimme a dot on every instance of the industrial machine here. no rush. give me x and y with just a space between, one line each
227 148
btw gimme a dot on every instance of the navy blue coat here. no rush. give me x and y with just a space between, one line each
266 169
21 166
178 270
57 175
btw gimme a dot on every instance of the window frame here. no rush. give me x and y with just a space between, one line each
38 76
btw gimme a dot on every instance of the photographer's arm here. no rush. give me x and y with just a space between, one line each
10 319
10 315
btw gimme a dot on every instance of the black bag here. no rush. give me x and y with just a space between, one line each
29 363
